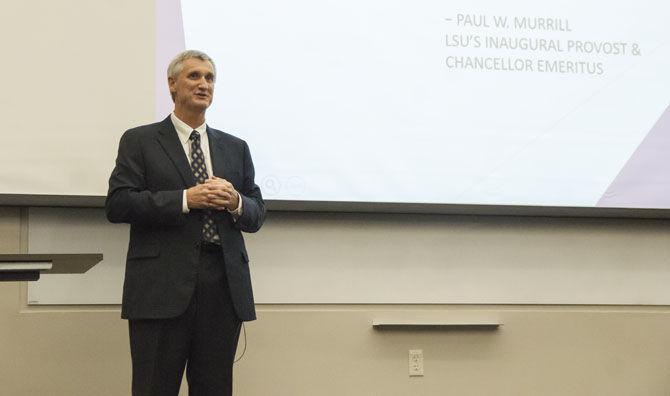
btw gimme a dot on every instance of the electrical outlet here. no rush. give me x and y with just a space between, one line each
416 363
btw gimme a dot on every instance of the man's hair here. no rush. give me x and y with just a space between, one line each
177 64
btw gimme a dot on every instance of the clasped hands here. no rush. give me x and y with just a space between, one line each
214 193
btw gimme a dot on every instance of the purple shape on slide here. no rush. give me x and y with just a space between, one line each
644 182
170 41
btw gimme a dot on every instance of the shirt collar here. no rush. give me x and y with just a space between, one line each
184 130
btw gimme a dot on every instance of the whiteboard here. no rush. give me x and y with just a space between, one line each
81 231
342 258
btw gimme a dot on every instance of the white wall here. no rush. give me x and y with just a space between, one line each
331 349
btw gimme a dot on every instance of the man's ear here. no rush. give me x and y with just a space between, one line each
171 83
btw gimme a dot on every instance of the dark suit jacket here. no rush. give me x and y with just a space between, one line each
145 190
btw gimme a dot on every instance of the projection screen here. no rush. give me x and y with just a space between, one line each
479 102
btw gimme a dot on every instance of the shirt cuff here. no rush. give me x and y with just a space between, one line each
238 211
184 203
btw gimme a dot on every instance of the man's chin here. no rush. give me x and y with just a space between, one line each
200 105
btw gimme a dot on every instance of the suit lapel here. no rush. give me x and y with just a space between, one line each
168 139
219 155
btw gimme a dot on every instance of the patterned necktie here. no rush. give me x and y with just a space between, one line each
209 232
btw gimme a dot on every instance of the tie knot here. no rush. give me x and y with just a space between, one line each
195 136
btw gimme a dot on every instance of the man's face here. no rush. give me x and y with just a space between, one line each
193 87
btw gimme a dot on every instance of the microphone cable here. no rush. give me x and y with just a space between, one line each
244 330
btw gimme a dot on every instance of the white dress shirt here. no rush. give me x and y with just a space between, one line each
184 133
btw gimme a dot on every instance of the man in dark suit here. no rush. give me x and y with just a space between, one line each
187 191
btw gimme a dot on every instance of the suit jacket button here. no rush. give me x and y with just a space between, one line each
197 245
